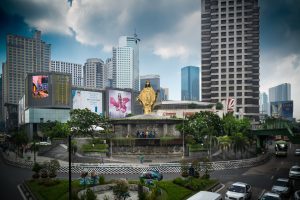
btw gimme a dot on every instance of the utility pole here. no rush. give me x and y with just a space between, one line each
70 169
183 136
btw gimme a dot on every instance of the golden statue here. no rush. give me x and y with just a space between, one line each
147 98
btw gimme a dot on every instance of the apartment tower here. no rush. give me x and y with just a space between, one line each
230 53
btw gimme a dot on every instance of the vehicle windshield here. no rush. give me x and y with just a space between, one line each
238 189
266 197
296 169
281 147
281 183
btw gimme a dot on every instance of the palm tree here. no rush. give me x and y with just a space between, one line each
224 143
239 143
210 138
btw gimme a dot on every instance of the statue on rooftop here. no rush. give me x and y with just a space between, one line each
147 98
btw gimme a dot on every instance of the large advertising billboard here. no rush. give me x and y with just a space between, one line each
40 87
87 99
119 103
282 109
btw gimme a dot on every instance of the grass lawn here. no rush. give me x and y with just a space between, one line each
97 148
54 192
174 192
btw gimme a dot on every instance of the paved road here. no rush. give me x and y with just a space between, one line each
261 177
10 177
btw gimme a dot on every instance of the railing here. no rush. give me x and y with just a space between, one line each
129 168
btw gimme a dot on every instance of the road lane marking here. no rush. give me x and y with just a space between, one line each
272 177
262 192
21 192
221 188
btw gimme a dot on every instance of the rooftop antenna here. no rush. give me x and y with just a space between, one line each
135 36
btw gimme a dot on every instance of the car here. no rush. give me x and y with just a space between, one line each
282 187
297 195
238 191
297 152
204 195
294 172
270 196
152 174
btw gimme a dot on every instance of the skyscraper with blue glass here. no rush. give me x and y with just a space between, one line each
190 83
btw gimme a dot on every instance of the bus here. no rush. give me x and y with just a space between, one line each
281 148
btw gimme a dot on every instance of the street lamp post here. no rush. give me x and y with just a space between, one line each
70 170
183 136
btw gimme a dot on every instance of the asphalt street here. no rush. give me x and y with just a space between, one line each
261 178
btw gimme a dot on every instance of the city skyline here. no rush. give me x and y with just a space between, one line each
74 38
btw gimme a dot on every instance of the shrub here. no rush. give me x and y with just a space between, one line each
101 180
121 189
179 181
141 194
36 167
184 169
197 174
53 167
44 173
89 195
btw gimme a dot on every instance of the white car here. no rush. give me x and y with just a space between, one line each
294 172
270 196
297 152
282 187
238 191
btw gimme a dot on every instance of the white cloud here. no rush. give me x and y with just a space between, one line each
183 41
276 70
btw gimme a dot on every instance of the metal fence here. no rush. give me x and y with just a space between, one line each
128 168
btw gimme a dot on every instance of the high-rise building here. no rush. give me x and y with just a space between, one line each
94 73
126 63
109 73
280 92
230 53
23 55
263 104
190 83
71 68
164 94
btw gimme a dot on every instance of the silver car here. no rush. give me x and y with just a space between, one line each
294 172
282 187
297 152
238 191
270 196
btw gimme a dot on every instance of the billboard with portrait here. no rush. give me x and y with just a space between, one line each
88 99
119 103
40 87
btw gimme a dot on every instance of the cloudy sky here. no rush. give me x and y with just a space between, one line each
169 31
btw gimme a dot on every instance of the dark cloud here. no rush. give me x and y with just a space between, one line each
280 27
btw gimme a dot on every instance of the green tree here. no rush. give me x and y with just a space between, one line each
210 139
224 144
219 106
82 121
55 129
239 143
21 140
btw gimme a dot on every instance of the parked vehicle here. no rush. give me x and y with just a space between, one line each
152 174
270 196
297 195
282 187
239 191
204 195
297 152
294 172
281 148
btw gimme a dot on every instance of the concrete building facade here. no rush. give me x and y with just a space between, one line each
94 73
71 68
230 53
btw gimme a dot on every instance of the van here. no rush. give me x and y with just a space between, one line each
204 195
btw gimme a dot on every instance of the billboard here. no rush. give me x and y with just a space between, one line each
119 103
283 109
87 99
40 87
